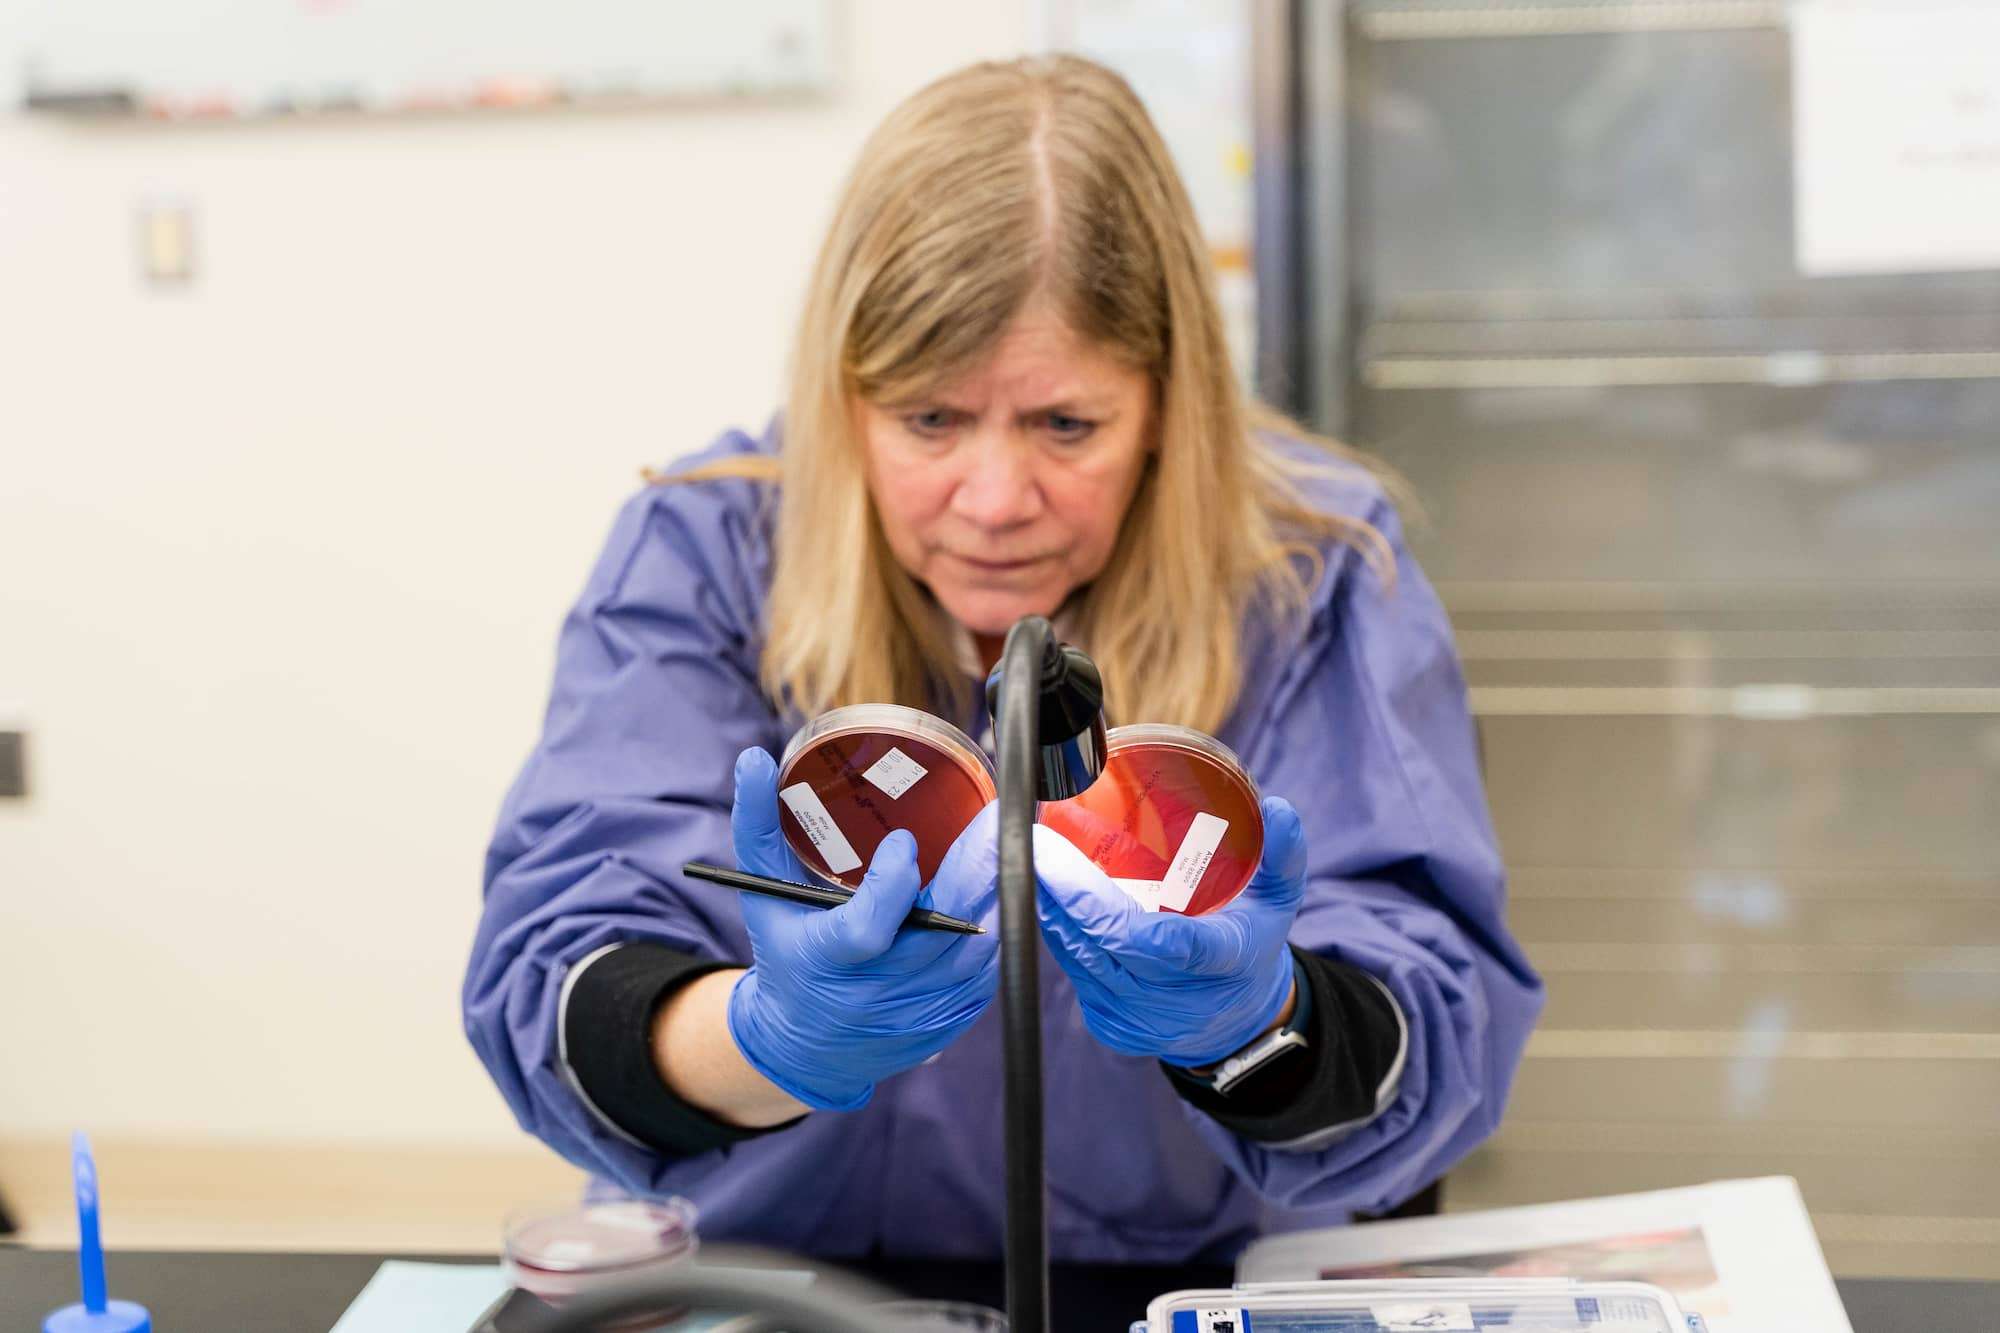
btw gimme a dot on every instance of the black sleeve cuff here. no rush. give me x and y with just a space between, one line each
1354 1038
607 1024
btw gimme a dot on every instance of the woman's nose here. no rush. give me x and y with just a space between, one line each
999 488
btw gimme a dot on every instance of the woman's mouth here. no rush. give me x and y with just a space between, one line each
1000 566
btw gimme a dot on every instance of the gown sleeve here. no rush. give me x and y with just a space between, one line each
655 693
1368 734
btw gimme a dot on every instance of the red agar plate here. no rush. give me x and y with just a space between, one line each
850 777
1174 818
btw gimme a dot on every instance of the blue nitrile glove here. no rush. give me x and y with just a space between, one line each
1188 990
835 1000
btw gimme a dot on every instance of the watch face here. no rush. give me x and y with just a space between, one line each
1269 1050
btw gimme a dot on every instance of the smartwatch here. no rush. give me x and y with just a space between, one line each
1266 1049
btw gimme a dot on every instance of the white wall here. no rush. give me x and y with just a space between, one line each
282 555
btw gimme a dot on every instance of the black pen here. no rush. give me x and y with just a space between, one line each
923 918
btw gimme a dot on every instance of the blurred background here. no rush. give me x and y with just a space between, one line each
332 333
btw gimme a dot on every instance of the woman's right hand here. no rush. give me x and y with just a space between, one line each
836 1000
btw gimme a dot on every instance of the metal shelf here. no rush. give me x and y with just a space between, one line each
1779 370
1458 22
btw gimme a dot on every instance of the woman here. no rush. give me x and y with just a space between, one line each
1009 395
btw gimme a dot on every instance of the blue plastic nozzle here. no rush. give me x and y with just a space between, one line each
97 1313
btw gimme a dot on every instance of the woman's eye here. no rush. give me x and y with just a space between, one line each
931 424
1069 429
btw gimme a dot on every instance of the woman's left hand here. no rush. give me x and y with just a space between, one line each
1189 990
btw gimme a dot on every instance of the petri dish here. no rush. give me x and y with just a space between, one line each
850 777
558 1252
1173 818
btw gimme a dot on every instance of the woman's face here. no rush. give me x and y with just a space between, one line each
1003 492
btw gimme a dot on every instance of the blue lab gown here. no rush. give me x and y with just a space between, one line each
1357 715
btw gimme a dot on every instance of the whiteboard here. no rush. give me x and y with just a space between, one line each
176 59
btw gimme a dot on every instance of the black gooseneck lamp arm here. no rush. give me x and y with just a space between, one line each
1047 705
834 1303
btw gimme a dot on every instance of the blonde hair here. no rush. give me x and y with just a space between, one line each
1042 178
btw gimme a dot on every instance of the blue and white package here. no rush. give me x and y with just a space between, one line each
1476 1305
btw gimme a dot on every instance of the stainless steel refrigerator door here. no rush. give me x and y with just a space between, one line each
1722 547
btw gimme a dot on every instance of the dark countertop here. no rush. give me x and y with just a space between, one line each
198 1292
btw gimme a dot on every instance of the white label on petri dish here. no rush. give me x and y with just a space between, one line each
1145 892
1223 1321
1191 861
806 807
895 772
1425 1317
